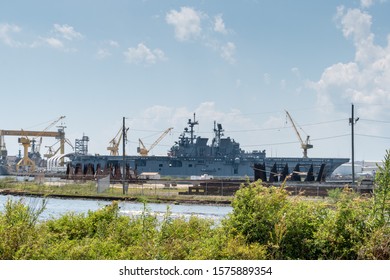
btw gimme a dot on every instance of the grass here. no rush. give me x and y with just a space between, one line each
147 192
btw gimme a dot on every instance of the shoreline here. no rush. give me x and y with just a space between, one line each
146 198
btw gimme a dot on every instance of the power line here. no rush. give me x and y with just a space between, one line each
373 136
379 121
283 127
330 137
252 130
297 142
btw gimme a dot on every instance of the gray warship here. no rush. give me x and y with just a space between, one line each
193 155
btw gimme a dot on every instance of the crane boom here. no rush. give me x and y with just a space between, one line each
115 142
304 145
142 150
160 138
38 146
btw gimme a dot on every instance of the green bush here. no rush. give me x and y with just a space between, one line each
18 228
265 223
344 228
376 245
256 211
381 209
301 220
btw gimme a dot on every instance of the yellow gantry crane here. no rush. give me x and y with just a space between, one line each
115 142
26 162
37 147
304 145
143 151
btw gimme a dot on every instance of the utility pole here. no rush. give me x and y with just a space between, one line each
352 122
125 184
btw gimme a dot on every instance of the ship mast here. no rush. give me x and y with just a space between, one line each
191 125
218 133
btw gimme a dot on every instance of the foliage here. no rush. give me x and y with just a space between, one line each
295 228
376 246
265 223
344 228
18 227
381 207
256 211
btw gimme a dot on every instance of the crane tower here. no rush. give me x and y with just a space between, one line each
305 145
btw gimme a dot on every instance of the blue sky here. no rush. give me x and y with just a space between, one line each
240 63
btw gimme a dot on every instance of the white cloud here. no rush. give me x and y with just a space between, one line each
219 25
57 41
366 3
364 80
106 49
187 23
296 72
206 113
228 51
67 32
53 42
142 54
5 34
113 43
354 22
103 53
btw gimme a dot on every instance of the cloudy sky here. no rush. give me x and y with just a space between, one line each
239 63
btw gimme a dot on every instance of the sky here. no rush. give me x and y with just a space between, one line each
239 63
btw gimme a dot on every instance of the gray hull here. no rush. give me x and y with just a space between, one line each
273 168
4 171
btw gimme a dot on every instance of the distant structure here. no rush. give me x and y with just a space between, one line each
81 146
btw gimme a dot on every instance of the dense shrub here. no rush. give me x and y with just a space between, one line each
256 212
297 228
344 228
18 228
266 223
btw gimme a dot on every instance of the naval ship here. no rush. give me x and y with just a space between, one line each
193 155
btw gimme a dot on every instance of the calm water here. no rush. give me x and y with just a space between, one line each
56 207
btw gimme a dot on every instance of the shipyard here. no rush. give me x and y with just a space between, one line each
252 134
216 167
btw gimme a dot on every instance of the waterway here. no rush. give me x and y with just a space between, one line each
57 207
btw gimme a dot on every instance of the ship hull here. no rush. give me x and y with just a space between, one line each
267 169
4 171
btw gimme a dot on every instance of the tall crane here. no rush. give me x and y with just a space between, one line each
304 145
35 148
115 142
143 151
24 139
50 152
26 162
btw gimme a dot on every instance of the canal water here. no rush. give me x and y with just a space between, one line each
57 207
